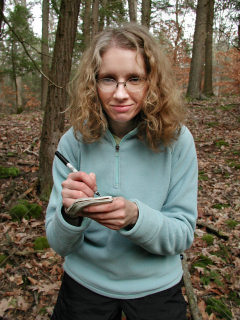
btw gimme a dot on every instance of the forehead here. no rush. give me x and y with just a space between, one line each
121 62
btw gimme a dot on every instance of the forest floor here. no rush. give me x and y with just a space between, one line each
30 278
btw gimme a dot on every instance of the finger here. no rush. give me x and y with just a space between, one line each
88 179
102 208
70 187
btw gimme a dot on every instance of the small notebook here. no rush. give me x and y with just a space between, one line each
81 203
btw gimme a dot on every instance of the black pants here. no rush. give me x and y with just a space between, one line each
76 302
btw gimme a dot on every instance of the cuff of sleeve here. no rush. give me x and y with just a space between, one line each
74 221
64 224
148 223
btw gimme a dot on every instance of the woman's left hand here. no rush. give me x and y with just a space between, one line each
115 215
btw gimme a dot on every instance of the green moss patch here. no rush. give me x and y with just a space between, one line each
41 243
25 209
8 172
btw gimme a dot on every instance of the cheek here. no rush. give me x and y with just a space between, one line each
103 97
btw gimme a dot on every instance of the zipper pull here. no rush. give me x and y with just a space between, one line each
117 147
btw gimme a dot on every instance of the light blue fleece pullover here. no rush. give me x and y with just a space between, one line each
146 259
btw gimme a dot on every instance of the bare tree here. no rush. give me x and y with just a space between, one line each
45 52
132 5
146 12
208 86
1 14
87 23
195 77
95 16
53 122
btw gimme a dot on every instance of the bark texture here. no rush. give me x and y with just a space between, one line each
195 76
53 121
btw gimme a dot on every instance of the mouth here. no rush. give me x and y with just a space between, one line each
121 107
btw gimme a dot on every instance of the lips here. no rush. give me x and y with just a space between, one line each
121 108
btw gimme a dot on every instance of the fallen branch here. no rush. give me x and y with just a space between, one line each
213 230
192 299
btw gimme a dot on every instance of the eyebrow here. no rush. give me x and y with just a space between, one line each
129 75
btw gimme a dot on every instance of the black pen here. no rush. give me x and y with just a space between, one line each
69 165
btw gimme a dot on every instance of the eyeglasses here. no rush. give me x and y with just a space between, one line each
132 84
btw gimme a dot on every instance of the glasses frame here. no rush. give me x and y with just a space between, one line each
124 83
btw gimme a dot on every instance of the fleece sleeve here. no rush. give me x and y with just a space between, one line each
61 235
170 231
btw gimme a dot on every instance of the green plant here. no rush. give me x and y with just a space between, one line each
221 143
231 223
202 176
212 124
208 238
220 205
202 261
234 164
219 307
9 172
210 275
41 243
18 212
25 209
223 252
3 258
235 297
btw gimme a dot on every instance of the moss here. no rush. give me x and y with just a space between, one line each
3 257
231 223
221 143
41 243
202 176
18 212
221 205
218 307
25 209
208 238
212 124
9 172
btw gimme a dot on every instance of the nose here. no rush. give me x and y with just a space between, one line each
120 92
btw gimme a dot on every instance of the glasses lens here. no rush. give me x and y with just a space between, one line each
107 84
132 84
135 84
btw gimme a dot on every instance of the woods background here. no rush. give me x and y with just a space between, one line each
38 57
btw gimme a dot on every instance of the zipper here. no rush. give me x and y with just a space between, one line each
117 166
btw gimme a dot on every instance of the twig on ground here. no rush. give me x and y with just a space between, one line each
192 299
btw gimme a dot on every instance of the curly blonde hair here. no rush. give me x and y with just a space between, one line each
162 113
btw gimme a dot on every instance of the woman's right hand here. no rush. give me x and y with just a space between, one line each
78 185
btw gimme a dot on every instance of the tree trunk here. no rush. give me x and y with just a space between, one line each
45 52
95 15
132 5
19 94
86 24
195 76
208 87
53 122
179 32
146 12
1 14
102 15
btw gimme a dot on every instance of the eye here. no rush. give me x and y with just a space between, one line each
107 81
134 80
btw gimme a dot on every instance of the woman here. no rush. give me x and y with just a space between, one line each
128 141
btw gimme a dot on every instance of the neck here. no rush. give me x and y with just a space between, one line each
121 129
